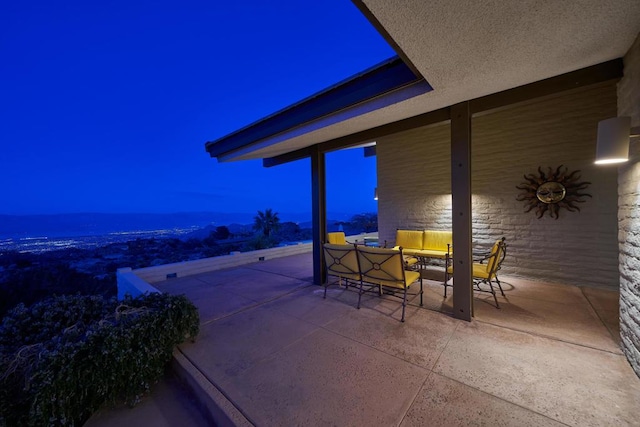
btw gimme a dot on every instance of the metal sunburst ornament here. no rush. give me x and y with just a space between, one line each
551 191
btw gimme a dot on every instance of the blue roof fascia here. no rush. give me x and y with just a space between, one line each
380 79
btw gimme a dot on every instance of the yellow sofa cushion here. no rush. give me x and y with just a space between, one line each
427 243
409 240
407 251
433 240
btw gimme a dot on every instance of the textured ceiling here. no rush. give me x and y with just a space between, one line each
467 49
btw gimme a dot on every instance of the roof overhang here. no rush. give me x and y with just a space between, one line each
385 84
466 51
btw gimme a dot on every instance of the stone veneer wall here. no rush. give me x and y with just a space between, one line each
578 248
629 212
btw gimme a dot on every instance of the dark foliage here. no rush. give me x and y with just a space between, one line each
366 222
266 222
62 358
222 233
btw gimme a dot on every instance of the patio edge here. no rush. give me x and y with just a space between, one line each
215 405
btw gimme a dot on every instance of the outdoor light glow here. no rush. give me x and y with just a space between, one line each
612 145
610 161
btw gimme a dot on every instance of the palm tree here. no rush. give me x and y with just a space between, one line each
266 222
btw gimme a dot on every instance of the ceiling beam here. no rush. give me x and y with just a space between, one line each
291 156
585 76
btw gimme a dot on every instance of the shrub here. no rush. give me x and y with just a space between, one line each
259 242
64 357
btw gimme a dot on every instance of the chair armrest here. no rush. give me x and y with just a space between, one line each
481 255
410 260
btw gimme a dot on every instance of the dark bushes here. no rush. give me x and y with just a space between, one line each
64 357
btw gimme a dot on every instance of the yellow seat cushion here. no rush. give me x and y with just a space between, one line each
478 270
407 251
411 276
431 253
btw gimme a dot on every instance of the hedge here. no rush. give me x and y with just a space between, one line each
64 357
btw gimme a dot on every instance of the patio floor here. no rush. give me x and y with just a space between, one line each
280 354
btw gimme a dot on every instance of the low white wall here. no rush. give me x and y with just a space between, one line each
130 283
137 282
189 268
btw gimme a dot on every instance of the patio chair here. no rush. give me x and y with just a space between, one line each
487 273
342 262
484 256
338 238
385 269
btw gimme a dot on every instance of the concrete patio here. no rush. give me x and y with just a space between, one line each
272 351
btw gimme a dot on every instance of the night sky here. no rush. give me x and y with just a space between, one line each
106 106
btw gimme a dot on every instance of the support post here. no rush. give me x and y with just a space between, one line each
461 210
319 213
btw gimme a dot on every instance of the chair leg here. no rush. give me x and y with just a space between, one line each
446 283
421 291
495 298
500 286
404 303
446 274
360 295
326 285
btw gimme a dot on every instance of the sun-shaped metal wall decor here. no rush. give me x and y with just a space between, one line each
551 191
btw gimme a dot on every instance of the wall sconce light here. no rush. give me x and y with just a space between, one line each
613 140
375 193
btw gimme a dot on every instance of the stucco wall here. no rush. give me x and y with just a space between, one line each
578 248
629 212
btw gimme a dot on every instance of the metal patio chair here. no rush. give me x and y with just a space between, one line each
342 262
485 271
385 269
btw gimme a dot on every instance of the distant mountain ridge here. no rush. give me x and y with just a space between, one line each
90 224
